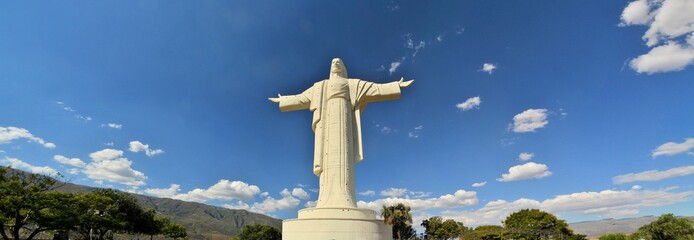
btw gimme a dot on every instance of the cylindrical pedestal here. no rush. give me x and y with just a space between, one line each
336 224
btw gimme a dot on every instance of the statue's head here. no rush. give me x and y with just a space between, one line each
337 67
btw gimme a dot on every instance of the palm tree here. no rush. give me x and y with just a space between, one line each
399 216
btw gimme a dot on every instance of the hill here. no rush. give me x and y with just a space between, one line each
200 220
595 229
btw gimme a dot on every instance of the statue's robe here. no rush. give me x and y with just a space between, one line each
337 104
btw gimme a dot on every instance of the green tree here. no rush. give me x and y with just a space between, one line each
489 232
533 224
667 227
399 216
614 236
436 228
107 211
431 227
259 232
169 229
26 204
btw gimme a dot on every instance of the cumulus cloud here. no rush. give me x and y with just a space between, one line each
460 198
393 67
300 193
368 193
75 162
530 120
311 204
525 171
164 192
525 156
110 165
665 58
19 164
654 175
488 68
137 146
470 103
673 148
222 190
8 134
669 22
607 203
394 192
270 204
479 184
112 125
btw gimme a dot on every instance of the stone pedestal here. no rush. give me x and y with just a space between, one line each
336 224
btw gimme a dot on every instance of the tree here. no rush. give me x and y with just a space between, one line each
107 211
259 232
169 229
399 216
533 224
489 232
613 236
436 228
26 203
667 227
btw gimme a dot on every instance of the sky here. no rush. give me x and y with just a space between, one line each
580 108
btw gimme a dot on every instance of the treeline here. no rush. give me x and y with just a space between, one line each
667 227
29 206
524 224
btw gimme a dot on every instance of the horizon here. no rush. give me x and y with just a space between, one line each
582 110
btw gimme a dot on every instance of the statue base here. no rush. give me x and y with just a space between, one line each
336 224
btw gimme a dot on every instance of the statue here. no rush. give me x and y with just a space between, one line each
337 104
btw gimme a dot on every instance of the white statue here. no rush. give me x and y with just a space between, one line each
336 104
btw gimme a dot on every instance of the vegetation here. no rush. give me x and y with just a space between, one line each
614 236
436 228
667 227
399 216
535 224
259 232
29 206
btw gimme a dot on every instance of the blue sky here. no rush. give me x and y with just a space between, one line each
583 109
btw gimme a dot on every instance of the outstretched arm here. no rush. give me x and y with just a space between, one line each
386 91
293 102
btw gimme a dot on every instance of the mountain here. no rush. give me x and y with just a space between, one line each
201 221
595 229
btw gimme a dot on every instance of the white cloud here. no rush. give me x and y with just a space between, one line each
415 132
75 162
19 164
8 134
112 125
470 103
607 203
479 184
460 198
669 22
636 187
529 120
654 175
222 190
525 156
525 171
394 192
109 144
311 204
110 165
665 58
368 193
439 38
636 13
393 67
673 148
164 192
300 193
270 204
137 146
488 68
73 171
421 45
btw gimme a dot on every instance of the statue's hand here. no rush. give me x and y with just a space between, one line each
275 100
404 84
